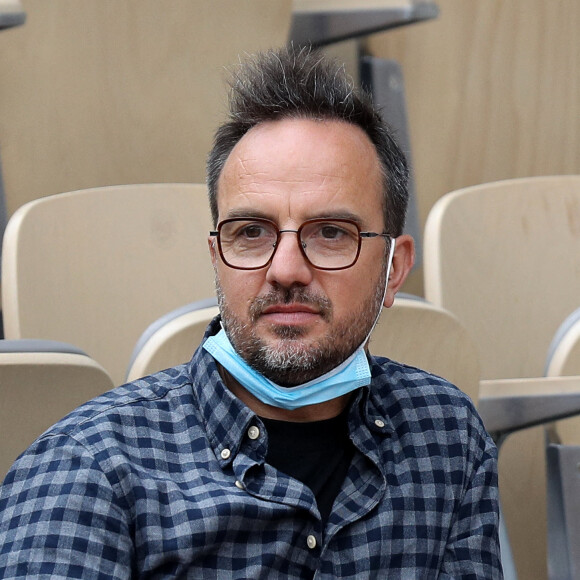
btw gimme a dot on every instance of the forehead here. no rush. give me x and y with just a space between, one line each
302 166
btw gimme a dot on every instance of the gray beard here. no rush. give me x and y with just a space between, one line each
294 362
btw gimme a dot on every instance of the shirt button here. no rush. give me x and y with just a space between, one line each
225 453
253 432
311 542
380 424
239 484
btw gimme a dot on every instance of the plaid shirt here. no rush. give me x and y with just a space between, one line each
166 478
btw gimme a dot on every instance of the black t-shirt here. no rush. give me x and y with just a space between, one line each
317 453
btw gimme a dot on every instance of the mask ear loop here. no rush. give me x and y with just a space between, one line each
393 242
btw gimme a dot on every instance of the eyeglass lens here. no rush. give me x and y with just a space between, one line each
327 244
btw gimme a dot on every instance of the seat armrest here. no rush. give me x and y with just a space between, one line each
507 405
322 23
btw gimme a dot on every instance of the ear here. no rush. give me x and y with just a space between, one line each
403 260
212 244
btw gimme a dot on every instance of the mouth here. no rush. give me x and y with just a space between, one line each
292 308
290 314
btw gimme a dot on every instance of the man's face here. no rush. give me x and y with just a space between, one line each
289 320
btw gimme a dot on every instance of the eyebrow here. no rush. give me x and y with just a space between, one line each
256 213
247 213
341 215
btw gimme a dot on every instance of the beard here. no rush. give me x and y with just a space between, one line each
295 360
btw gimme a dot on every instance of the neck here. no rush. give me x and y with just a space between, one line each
305 414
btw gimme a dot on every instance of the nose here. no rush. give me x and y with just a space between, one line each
289 267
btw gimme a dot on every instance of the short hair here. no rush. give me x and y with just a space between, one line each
301 83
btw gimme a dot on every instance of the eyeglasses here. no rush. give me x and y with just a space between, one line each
327 244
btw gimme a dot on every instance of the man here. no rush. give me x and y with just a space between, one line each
282 450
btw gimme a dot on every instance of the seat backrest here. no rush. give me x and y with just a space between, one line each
95 267
504 257
420 334
41 382
172 339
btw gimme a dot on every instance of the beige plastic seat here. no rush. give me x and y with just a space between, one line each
172 339
504 258
95 267
40 382
426 336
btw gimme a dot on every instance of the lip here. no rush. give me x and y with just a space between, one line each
290 314
289 309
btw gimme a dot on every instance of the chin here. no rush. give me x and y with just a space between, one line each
290 333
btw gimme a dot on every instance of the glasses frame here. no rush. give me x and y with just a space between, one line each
361 236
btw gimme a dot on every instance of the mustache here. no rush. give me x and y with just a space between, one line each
293 295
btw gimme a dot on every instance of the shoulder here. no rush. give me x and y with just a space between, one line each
423 403
404 382
134 421
119 439
147 396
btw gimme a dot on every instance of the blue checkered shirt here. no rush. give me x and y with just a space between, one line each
164 478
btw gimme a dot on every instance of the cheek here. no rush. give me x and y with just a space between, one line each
343 289
358 286
239 287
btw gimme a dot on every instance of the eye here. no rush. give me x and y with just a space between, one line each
330 234
331 231
253 231
249 232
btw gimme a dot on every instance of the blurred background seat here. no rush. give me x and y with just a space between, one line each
426 336
504 258
95 267
172 339
40 382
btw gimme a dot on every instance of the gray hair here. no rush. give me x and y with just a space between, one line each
301 83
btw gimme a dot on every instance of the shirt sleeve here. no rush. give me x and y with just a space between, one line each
473 551
60 517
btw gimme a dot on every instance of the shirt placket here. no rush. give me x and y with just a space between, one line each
255 477
364 487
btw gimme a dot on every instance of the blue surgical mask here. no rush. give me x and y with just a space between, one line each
351 374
